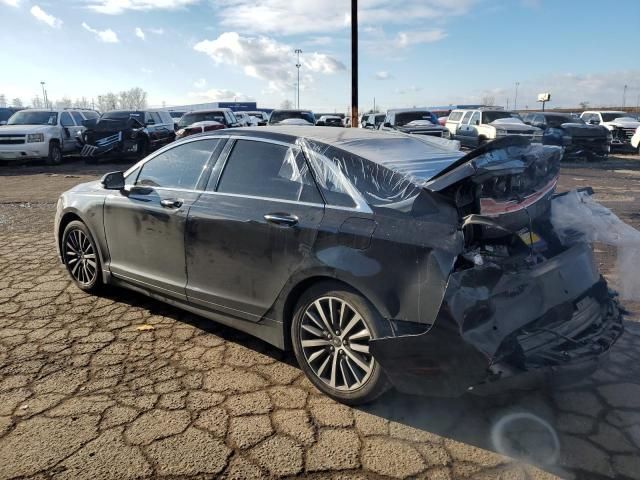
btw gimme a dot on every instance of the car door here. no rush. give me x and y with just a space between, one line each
145 223
254 226
68 138
463 132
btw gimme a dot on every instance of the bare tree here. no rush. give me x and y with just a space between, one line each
81 103
108 101
3 100
488 100
584 105
286 105
36 102
16 102
64 102
137 98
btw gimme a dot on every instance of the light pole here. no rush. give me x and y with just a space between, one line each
298 65
44 95
624 96
515 100
354 63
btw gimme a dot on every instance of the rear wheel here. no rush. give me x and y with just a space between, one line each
80 256
330 333
55 154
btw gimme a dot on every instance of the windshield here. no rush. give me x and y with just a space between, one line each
120 115
191 118
488 117
408 117
176 114
279 116
26 117
611 116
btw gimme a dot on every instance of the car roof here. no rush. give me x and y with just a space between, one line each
604 111
415 109
405 154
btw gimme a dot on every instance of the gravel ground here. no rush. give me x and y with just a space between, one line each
121 386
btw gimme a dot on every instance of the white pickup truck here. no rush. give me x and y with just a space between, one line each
43 134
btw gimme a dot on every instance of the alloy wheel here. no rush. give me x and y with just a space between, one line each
335 343
80 257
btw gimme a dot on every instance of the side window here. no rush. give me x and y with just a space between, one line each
90 114
467 116
263 169
179 167
65 120
165 118
77 117
455 116
540 119
156 118
475 118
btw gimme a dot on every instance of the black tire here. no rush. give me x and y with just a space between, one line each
372 384
80 256
55 154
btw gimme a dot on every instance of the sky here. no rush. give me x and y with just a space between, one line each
411 52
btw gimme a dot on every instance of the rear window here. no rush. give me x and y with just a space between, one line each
455 116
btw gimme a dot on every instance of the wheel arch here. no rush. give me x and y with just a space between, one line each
71 215
294 294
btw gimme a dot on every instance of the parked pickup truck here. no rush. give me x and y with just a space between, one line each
43 134
622 125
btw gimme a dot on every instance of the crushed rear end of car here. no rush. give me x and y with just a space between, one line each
524 301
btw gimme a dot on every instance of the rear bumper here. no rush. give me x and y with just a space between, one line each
498 330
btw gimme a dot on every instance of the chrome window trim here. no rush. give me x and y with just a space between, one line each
361 205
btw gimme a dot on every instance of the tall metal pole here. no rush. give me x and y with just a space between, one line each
44 95
298 65
515 100
624 96
354 63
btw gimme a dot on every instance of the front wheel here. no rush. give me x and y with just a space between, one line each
330 332
55 154
80 256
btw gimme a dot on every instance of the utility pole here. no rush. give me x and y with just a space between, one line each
515 100
624 96
44 95
374 105
354 63
298 65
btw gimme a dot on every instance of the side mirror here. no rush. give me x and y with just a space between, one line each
477 122
386 124
113 181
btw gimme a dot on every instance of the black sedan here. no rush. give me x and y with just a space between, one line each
376 257
580 140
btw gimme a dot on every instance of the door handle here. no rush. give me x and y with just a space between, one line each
283 219
171 203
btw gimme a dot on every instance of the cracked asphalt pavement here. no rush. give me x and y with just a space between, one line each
121 386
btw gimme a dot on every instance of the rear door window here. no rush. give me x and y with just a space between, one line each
268 170
65 120
178 167
467 116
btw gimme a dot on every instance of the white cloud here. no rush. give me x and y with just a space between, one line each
382 75
146 71
405 39
140 33
106 36
156 31
44 17
115 7
11 3
219 95
200 83
286 17
266 58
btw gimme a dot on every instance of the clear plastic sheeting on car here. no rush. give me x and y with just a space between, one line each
577 217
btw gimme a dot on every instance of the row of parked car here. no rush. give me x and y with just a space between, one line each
51 134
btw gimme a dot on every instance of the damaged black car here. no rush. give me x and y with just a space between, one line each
579 139
379 258
127 134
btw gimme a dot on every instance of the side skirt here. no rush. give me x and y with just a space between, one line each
271 331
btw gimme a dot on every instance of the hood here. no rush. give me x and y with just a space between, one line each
512 124
22 129
624 122
421 127
294 121
584 130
